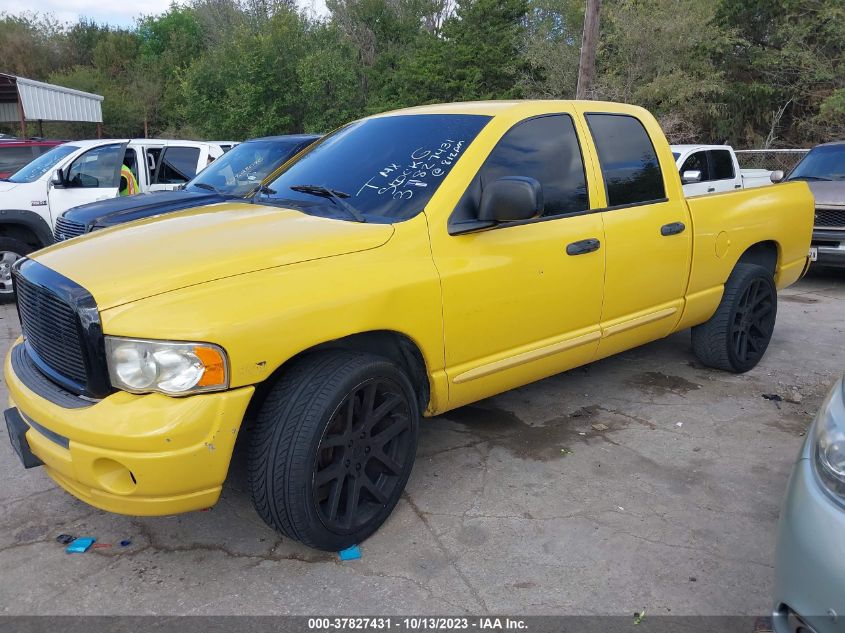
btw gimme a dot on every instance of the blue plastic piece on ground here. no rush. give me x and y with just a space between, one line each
350 553
125 543
80 545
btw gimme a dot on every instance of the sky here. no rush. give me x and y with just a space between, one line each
114 13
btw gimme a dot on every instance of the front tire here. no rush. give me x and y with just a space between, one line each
737 335
333 447
11 250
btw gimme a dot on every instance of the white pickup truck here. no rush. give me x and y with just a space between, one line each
713 169
80 172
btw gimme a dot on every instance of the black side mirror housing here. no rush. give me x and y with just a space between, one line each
511 199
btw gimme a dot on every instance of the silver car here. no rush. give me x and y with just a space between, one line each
810 558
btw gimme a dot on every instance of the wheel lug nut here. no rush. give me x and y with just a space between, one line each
357 466
367 449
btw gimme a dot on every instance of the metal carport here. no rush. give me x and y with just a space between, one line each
25 100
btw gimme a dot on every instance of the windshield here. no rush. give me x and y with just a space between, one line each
41 165
387 168
240 170
822 163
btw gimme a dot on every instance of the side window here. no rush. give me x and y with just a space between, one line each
546 149
697 162
130 159
722 164
177 165
628 161
99 167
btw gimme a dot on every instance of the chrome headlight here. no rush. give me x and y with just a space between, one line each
829 449
143 366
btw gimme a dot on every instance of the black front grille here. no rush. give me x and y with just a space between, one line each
61 327
51 329
830 217
66 229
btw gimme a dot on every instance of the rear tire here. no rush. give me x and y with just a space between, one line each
333 447
737 335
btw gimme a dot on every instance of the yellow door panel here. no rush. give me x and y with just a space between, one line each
516 307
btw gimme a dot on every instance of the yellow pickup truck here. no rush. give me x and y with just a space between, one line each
408 263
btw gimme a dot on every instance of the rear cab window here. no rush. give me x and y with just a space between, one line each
628 160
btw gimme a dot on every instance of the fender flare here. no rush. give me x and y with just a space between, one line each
31 220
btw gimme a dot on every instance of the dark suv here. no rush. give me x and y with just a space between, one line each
824 170
16 153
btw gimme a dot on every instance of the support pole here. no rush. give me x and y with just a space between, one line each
589 43
100 130
22 117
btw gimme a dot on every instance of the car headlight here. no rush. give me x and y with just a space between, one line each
829 452
143 366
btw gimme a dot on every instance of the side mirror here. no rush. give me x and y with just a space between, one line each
691 176
58 179
511 199
777 175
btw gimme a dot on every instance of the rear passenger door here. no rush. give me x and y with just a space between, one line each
176 165
648 236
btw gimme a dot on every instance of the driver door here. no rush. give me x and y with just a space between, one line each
95 175
522 300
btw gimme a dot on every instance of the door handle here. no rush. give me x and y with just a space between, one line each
673 228
583 246
711 189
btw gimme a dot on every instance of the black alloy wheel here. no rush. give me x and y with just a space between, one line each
361 457
754 322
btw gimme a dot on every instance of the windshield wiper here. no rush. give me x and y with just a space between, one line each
203 185
332 194
810 178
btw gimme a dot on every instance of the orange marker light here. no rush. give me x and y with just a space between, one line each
215 367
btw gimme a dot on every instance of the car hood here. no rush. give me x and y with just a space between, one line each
127 208
828 193
150 257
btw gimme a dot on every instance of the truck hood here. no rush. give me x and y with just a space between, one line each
150 257
127 208
828 194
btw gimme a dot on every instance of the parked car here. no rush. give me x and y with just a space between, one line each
84 171
407 264
237 174
15 153
714 169
810 555
824 170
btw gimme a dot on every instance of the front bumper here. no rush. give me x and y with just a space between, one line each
831 247
810 556
130 454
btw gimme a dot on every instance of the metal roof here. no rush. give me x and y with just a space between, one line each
46 102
